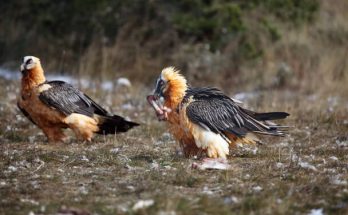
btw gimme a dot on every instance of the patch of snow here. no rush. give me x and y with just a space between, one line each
306 165
127 106
247 177
9 75
131 188
257 189
283 144
123 82
30 201
318 211
279 165
141 204
107 86
207 191
334 158
83 190
159 142
294 158
166 213
231 200
35 184
210 164
337 181
12 168
167 167
31 139
154 165
115 150
84 158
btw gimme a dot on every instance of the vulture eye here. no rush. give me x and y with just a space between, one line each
29 61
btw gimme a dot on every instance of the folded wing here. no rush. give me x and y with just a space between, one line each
213 110
67 99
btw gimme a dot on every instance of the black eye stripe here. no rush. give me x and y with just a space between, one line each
29 61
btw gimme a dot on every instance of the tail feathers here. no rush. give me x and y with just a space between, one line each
270 116
259 123
266 116
114 124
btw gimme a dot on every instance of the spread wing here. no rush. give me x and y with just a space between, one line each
213 110
67 99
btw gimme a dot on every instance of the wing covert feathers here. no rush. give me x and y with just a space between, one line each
211 109
67 99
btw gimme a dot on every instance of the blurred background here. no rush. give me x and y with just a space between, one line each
249 45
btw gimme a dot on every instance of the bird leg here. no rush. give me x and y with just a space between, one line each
54 134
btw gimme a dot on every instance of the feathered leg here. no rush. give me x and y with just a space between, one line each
54 134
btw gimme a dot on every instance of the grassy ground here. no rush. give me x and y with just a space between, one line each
304 171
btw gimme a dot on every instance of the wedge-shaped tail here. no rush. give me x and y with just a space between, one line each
114 124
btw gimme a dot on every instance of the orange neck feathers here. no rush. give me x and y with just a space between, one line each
33 77
177 86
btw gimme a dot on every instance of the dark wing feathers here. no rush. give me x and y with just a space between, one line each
67 99
25 113
211 109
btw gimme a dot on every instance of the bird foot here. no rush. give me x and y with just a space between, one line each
212 163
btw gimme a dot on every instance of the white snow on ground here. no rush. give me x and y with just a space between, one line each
257 188
336 180
106 85
318 211
9 75
123 82
143 204
306 165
